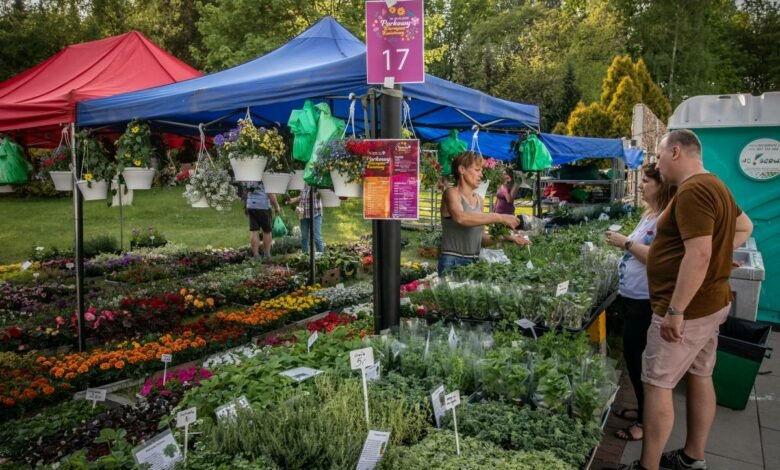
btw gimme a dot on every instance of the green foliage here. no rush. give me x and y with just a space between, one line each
651 93
589 121
149 237
100 244
756 30
438 451
134 147
621 107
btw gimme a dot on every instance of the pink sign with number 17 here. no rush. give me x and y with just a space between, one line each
394 42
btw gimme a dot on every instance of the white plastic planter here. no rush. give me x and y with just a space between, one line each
63 180
344 189
248 169
138 178
296 181
6 188
201 203
98 191
127 195
276 183
329 198
482 189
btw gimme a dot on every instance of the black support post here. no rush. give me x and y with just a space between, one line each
78 245
312 264
387 233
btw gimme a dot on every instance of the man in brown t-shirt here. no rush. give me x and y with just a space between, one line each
688 268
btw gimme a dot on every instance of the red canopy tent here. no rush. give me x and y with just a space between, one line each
45 96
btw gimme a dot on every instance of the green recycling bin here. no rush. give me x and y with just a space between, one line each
742 346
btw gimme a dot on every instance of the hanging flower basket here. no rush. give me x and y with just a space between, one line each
344 189
93 190
138 178
201 203
248 169
276 183
296 181
126 194
329 198
482 189
63 180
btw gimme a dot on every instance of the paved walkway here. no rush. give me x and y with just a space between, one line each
740 440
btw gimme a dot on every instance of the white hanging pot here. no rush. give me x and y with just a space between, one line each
248 169
63 180
138 178
201 203
276 183
98 191
482 188
329 198
296 181
127 195
6 188
344 189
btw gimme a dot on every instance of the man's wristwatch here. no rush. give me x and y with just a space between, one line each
673 311
628 244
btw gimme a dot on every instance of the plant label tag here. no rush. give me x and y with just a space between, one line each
615 228
438 404
529 265
405 301
590 246
227 411
299 374
607 209
242 402
374 372
373 450
186 417
361 358
562 288
451 400
603 216
159 453
311 341
167 358
26 265
95 394
452 338
525 323
586 219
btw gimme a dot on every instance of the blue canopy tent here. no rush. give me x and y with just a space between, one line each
324 62
567 149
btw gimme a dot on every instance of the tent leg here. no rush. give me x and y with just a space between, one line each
78 246
312 264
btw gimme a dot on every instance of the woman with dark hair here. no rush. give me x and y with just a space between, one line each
633 291
462 219
506 194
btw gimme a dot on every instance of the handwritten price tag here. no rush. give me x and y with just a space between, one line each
525 323
361 358
186 417
166 358
562 288
451 400
96 394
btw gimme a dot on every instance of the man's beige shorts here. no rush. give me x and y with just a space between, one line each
664 363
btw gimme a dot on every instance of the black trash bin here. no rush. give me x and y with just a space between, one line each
742 346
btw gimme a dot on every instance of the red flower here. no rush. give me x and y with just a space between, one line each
15 332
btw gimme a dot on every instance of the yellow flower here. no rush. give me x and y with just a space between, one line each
401 11
391 10
135 129
137 162
88 177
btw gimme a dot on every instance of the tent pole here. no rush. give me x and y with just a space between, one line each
312 255
78 247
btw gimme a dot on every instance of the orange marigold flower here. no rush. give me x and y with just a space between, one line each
119 364
70 375
105 366
83 369
183 292
47 389
9 401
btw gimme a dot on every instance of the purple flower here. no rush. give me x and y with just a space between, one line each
219 139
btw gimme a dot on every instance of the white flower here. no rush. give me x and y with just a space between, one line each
38 248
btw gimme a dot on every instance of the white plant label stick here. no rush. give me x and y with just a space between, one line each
562 288
95 395
183 419
438 406
311 341
360 359
166 358
451 400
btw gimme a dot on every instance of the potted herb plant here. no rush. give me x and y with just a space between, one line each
248 149
57 165
134 155
96 169
210 186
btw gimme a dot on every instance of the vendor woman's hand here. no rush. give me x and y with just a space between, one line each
616 239
521 240
510 221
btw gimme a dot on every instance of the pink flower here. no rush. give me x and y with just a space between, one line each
89 316
490 163
108 314
60 321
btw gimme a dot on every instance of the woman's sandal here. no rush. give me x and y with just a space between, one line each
624 414
625 434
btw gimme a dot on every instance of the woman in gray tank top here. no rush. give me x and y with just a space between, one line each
463 222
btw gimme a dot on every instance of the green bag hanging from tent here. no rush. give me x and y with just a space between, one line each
13 167
279 229
303 125
449 148
328 128
534 155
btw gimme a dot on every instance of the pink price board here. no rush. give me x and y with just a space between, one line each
391 179
394 42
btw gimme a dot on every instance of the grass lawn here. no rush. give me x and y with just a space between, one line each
49 222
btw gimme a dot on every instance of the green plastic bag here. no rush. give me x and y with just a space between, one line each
534 156
303 125
13 167
279 229
328 128
449 148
